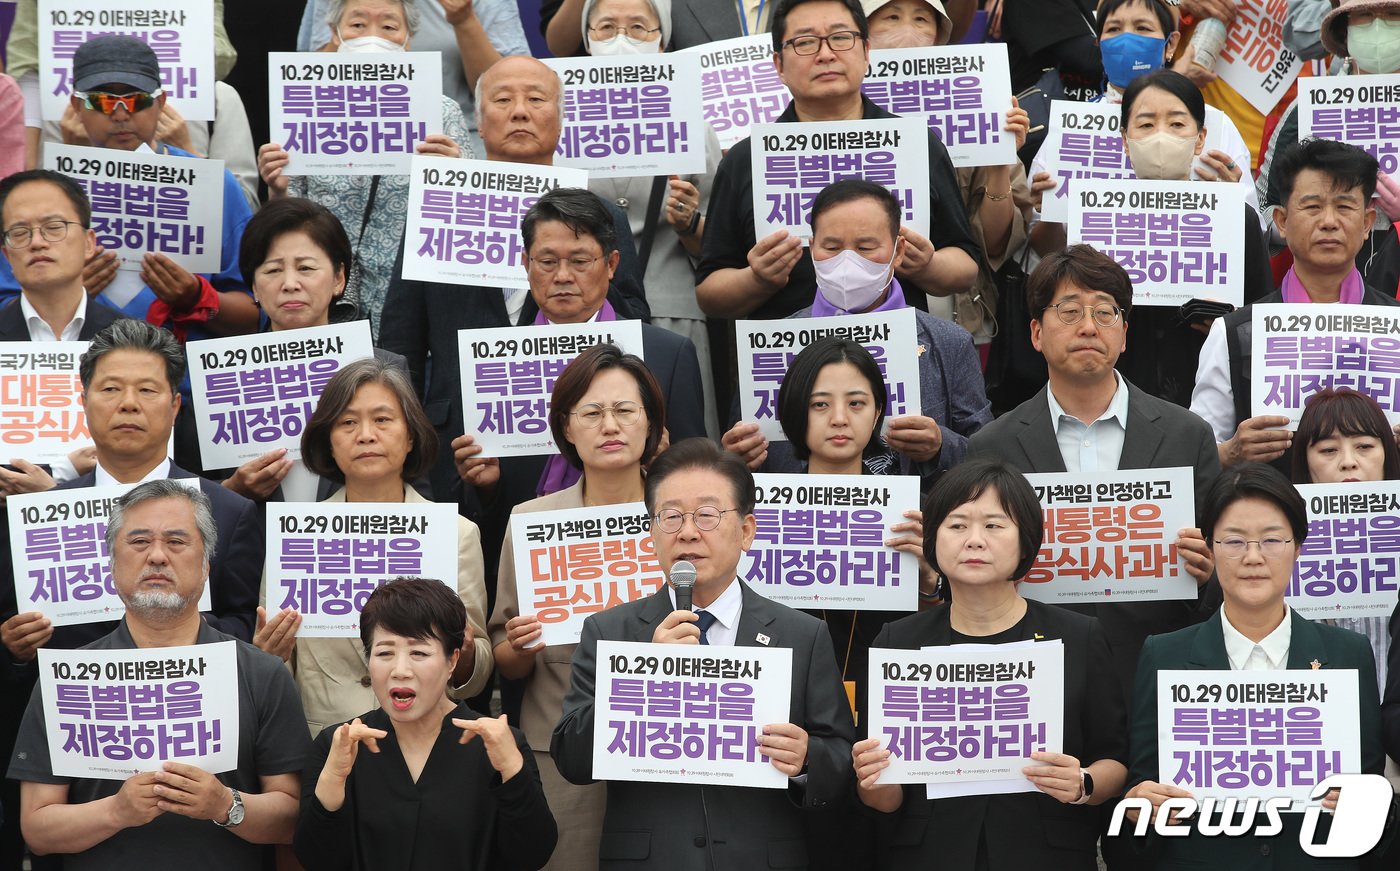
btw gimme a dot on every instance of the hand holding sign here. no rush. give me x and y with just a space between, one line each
870 757
272 165
1058 778
785 745
438 144
23 634
1156 793
171 130
478 471
277 636
918 255
99 270
190 791
173 283
500 744
137 802
1257 439
773 257
748 441
260 477
24 478
1191 546
524 633
916 437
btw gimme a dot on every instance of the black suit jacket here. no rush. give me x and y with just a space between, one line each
1312 645
690 827
1159 435
1023 829
14 329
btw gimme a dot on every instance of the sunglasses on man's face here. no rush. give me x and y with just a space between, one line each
105 103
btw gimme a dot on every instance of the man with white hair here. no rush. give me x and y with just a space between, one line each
161 537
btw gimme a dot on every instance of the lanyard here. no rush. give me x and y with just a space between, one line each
743 19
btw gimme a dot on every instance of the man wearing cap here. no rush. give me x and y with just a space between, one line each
743 276
117 99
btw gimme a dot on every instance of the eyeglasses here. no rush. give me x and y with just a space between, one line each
591 415
52 231
1236 548
99 101
550 265
635 33
841 40
706 519
1072 313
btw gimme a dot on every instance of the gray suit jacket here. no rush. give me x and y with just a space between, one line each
697 22
1159 435
685 827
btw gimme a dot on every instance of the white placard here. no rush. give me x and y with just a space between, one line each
1257 734
325 558
578 561
966 713
821 539
41 410
1360 110
631 115
110 714
180 32
1177 240
767 348
464 218
59 553
1346 567
508 375
359 114
962 92
739 86
792 162
1111 536
706 732
255 393
1301 348
144 202
1255 60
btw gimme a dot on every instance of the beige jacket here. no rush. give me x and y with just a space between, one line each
333 673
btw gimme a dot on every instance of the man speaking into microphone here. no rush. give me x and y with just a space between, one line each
701 500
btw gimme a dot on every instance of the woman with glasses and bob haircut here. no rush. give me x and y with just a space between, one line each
608 417
982 530
435 784
1254 521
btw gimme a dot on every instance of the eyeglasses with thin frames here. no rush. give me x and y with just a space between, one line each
550 265
52 231
591 415
1235 547
841 40
634 33
706 518
1071 313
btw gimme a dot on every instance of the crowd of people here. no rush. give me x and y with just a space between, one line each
447 734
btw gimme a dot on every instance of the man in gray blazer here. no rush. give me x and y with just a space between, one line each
701 501
1090 419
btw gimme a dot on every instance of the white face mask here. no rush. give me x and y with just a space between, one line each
621 45
850 282
362 44
1162 155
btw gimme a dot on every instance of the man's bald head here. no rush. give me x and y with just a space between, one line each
520 110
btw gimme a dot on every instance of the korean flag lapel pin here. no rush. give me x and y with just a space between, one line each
762 639
1316 666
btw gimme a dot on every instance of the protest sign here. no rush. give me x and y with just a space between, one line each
631 115
1255 60
1256 734
962 92
966 713
360 114
149 203
58 549
767 348
179 32
674 713
508 375
821 542
1111 536
464 218
578 561
1346 567
324 559
1360 110
739 86
41 410
255 393
1300 349
110 714
1177 240
1083 141
793 162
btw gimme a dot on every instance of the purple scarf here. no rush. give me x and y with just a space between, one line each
894 301
559 473
1349 293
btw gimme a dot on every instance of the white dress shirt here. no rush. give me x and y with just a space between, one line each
1266 655
1098 446
39 329
726 609
160 472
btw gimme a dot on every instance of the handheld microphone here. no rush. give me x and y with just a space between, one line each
683 581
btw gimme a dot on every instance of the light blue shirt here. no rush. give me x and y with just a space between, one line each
1098 446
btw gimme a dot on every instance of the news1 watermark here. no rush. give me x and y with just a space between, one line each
1363 803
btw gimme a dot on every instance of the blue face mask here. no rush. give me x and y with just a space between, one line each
1129 55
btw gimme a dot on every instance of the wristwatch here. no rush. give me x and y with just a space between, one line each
235 811
1086 783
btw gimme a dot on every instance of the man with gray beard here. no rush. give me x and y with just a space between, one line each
161 536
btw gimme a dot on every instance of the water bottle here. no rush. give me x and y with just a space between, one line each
1208 39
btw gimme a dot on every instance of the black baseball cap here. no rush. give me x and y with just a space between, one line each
115 59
